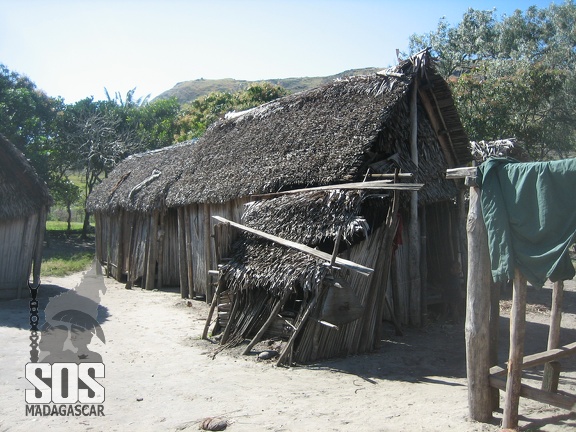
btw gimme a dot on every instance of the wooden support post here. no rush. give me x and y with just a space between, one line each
477 311
182 254
213 304
269 321
152 252
493 332
552 369
288 348
414 223
517 332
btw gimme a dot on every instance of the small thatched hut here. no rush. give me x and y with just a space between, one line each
136 234
24 203
351 130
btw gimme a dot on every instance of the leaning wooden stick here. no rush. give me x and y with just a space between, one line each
269 321
212 307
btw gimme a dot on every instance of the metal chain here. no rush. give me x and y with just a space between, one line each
34 321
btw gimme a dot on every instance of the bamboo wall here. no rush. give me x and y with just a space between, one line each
19 240
124 246
357 336
202 250
363 334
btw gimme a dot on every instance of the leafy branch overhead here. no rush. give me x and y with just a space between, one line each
512 76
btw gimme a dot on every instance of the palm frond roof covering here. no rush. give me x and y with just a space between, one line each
327 135
309 218
141 181
317 137
22 192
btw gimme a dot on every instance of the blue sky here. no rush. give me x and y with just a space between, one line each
76 48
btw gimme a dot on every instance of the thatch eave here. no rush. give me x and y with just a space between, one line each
22 192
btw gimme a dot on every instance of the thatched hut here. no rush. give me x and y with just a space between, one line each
351 130
24 203
136 233
341 132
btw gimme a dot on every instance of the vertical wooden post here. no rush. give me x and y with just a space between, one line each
152 252
182 266
517 332
477 312
552 369
493 332
208 251
414 224
160 249
120 253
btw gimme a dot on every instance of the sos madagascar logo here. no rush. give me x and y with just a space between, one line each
64 372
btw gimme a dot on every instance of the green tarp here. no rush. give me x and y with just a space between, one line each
530 215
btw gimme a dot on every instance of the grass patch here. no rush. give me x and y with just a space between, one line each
66 252
66 265
55 225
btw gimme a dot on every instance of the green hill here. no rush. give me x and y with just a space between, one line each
187 91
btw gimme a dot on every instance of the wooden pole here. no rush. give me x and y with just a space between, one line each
493 332
152 252
288 348
213 304
182 254
517 333
269 321
414 224
477 313
302 248
552 369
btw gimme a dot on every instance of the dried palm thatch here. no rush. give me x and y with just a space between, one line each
483 150
336 133
22 192
140 182
311 219
331 134
263 275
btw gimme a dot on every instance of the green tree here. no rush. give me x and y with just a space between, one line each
198 115
102 135
512 76
28 119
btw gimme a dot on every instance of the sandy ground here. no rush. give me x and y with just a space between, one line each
161 376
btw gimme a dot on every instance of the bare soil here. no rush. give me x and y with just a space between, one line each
161 376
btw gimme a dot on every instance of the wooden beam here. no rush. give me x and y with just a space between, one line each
375 184
540 358
300 247
415 307
477 313
435 115
517 333
463 172
566 402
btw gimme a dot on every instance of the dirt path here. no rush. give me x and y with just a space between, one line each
161 376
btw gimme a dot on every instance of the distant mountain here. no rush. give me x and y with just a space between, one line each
187 91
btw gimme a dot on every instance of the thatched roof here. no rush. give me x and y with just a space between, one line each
22 192
309 218
141 181
331 134
318 137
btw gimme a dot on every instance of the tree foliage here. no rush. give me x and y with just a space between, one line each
512 76
91 136
198 115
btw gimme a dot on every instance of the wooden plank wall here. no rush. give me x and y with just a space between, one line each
201 250
17 245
